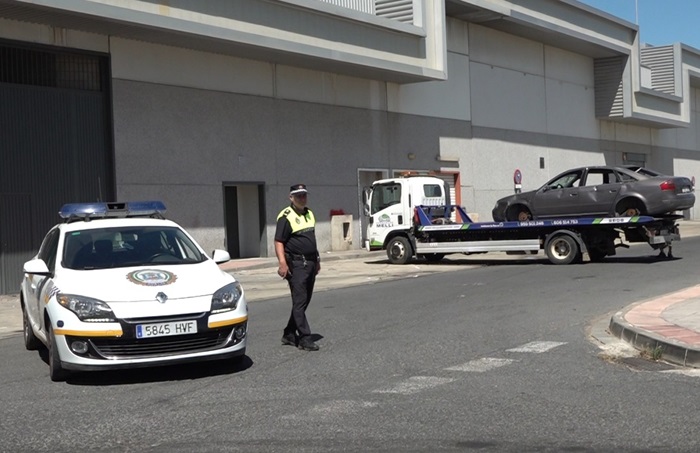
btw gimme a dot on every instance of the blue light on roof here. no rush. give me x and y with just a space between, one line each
114 210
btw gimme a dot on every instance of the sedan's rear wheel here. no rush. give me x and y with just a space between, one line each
629 208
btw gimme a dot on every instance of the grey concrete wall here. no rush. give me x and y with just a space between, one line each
185 121
180 144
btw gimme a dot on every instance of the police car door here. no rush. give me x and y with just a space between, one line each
39 284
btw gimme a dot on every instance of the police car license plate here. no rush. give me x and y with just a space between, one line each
164 329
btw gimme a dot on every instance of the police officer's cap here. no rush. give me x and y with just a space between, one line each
298 188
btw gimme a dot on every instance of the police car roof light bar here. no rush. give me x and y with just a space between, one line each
87 211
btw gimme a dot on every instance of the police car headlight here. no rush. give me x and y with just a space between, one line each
226 298
86 308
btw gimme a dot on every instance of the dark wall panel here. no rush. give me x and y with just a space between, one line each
55 148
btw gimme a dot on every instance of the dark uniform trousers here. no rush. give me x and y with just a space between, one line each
301 284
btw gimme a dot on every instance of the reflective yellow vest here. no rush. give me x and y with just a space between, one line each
299 223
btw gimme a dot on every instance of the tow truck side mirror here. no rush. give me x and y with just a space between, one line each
365 200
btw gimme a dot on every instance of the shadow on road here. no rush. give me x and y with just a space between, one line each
188 371
520 260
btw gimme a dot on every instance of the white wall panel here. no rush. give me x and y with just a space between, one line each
665 137
145 62
443 99
457 36
493 47
695 115
507 99
568 66
327 88
686 137
571 110
632 134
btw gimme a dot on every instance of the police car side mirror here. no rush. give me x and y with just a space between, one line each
37 267
220 256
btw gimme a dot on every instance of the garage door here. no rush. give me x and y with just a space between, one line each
56 144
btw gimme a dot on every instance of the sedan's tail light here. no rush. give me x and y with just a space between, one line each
668 185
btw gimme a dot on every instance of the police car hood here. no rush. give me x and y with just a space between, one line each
140 284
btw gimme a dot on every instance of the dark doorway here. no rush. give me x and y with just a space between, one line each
231 221
244 216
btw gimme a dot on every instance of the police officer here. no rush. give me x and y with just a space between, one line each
295 247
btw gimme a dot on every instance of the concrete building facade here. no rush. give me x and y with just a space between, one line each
216 108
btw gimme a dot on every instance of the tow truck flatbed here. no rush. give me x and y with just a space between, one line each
564 240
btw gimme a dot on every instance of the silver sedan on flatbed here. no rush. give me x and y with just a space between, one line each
599 191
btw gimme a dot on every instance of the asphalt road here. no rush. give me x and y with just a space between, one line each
491 358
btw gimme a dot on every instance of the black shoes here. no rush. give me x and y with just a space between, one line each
289 339
306 344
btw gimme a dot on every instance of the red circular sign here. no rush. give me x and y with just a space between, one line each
517 177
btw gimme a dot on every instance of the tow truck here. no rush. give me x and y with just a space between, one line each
411 217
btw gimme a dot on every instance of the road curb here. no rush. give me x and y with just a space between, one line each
672 351
271 263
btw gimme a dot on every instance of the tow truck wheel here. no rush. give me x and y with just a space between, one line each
562 249
399 250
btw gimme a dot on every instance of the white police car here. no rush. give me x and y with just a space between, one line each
116 285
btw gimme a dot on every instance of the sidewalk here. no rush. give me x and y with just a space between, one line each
667 327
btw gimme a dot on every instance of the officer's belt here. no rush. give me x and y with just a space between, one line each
295 257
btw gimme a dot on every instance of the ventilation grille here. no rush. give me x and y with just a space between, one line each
660 61
365 6
399 10
608 87
50 69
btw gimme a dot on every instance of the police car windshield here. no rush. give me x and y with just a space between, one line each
105 248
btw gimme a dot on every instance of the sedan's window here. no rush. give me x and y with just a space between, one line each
626 176
598 177
130 246
564 181
643 170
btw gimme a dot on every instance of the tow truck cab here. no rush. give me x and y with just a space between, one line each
389 204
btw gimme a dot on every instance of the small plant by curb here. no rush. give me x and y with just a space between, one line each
652 354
